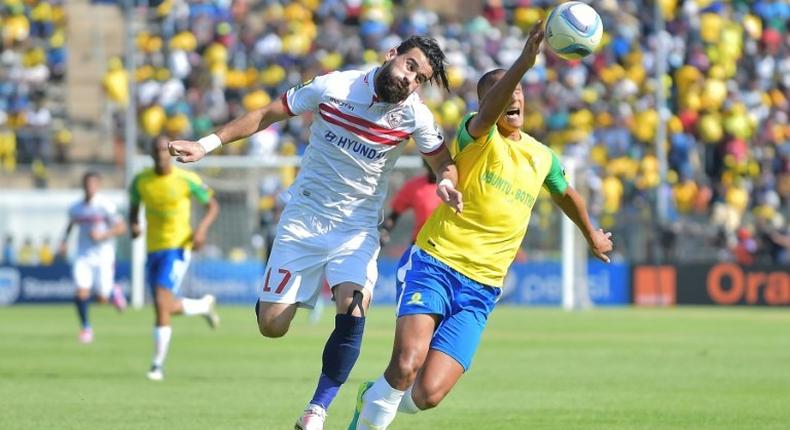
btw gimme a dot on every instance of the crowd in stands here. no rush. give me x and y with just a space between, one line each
27 253
204 62
32 59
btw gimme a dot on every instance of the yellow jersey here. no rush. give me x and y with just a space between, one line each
168 206
500 180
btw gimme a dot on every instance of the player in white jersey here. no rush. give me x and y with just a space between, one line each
328 231
94 266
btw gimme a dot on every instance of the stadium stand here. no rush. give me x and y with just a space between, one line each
204 62
729 70
33 67
53 53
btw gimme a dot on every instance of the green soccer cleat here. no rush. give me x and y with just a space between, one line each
363 388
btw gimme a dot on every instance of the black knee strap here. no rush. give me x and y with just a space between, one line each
356 302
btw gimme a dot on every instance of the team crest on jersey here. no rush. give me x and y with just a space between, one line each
416 299
395 118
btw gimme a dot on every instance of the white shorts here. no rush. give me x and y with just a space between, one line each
309 250
91 272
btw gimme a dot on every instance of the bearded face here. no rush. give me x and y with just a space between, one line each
388 87
402 74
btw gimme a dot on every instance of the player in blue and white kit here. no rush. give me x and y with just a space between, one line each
329 229
94 267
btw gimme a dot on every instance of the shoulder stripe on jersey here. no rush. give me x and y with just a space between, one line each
371 126
88 219
358 132
284 98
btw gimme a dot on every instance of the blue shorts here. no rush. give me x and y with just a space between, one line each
403 267
166 268
432 287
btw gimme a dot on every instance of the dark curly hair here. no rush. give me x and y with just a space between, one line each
435 55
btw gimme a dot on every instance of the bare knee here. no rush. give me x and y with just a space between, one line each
274 320
426 396
428 401
403 368
272 331
272 328
351 299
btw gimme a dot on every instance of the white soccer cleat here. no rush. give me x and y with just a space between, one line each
212 317
118 299
86 335
312 419
155 374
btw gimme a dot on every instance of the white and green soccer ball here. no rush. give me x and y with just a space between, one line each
573 30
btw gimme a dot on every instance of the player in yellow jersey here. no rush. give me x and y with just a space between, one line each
455 271
166 191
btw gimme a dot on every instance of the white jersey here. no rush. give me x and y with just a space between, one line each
354 143
98 214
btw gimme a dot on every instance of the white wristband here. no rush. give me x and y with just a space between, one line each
446 183
210 142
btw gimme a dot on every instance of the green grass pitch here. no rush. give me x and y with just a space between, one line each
688 368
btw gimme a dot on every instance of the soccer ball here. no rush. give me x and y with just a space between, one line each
573 30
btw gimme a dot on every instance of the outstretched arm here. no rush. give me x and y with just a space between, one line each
573 206
248 124
498 97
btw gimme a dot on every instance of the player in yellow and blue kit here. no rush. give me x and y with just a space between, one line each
167 191
455 271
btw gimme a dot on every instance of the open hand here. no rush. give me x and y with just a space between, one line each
532 47
450 196
186 151
600 244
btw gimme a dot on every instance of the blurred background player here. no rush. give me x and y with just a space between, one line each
456 270
99 223
419 195
166 192
329 230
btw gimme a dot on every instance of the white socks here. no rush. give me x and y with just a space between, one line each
407 404
195 306
162 334
161 343
380 405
